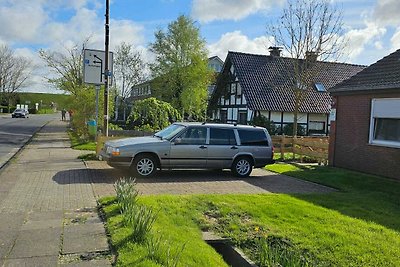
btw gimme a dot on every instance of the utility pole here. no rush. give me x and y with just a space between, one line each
107 71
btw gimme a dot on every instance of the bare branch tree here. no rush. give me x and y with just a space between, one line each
14 74
129 69
306 30
67 68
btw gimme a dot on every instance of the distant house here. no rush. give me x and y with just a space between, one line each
366 134
251 85
216 64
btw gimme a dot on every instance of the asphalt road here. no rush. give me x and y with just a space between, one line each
15 132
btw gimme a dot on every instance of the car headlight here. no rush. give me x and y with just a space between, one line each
112 151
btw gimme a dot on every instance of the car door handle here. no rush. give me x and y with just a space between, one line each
202 147
234 147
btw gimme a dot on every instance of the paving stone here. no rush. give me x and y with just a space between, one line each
90 237
46 261
40 225
36 243
10 222
43 216
202 182
7 239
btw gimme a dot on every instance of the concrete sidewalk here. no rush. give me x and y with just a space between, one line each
48 213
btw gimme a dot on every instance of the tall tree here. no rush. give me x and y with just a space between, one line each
180 69
129 71
129 68
14 74
307 29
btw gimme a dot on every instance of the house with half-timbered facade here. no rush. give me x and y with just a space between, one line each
250 85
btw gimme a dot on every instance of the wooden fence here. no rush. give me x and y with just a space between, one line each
315 148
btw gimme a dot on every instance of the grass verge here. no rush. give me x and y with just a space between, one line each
362 196
79 144
176 230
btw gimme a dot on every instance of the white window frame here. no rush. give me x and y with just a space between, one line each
391 109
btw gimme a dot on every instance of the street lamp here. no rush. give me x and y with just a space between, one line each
107 71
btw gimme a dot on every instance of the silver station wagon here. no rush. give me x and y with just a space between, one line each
193 146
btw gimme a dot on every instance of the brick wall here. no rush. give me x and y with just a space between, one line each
351 149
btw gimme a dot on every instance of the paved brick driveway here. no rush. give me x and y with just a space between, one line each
202 182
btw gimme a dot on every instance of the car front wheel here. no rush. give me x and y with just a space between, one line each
144 166
242 167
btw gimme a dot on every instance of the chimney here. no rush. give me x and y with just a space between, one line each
311 56
275 51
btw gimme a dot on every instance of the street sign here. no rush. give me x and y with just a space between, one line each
94 67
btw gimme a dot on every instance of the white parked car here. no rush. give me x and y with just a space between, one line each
20 113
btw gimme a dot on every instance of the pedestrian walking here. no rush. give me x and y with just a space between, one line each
63 112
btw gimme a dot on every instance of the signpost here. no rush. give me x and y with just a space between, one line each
98 69
94 66
94 69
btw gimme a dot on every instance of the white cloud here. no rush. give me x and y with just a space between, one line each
36 22
236 41
209 10
387 12
21 20
358 39
83 24
395 40
125 31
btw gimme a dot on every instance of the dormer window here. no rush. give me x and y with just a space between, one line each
320 87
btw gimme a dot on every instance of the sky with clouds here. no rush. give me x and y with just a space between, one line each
371 26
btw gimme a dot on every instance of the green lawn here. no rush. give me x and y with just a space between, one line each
356 226
79 144
61 100
362 196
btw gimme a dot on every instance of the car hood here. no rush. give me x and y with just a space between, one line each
133 141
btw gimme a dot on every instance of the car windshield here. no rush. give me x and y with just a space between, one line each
170 131
18 110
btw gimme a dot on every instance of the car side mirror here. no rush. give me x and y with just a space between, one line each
177 141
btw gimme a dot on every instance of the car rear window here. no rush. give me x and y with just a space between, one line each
256 137
222 137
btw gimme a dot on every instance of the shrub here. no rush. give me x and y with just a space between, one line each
44 111
162 253
112 126
263 121
152 115
126 193
275 251
140 219
288 129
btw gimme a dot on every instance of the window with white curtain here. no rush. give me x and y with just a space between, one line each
385 122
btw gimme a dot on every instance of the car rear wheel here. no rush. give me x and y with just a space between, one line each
242 167
144 165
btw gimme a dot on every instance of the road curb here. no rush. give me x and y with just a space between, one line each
8 159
